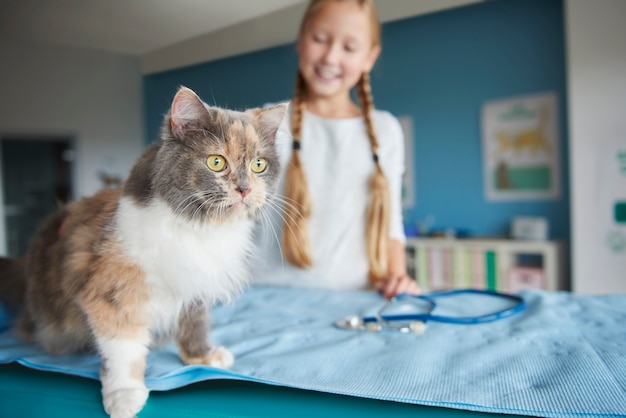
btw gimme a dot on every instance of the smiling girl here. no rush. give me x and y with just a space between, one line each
342 164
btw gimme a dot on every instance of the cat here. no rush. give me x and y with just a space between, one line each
129 268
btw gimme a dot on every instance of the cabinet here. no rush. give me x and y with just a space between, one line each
494 264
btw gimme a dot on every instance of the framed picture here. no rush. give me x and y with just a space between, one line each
520 142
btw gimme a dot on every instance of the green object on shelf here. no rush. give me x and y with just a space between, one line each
490 261
620 212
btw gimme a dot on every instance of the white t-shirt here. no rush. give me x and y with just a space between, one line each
337 159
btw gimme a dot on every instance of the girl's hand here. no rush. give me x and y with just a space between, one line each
396 284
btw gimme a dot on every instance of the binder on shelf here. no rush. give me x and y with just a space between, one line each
458 268
491 270
436 269
446 261
478 270
422 269
462 268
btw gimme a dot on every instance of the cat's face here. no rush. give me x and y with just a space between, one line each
217 164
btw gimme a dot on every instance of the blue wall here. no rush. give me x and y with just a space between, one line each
240 82
438 69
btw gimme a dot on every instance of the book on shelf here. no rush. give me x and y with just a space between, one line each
447 268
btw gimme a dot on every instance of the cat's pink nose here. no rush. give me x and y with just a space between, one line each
243 191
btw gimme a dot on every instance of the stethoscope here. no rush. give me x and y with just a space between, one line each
425 304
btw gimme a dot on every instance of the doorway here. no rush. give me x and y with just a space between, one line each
37 179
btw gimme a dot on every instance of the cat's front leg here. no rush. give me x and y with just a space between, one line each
193 338
124 392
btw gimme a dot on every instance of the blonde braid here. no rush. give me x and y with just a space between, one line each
377 229
295 236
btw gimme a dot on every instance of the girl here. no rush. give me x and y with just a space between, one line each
342 164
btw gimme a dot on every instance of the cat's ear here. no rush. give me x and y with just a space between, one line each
187 109
269 119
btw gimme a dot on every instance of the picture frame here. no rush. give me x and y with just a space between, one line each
520 144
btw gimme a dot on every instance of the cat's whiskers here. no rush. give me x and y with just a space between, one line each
221 126
198 209
281 203
204 197
288 201
212 212
188 201
281 211
207 205
267 220
216 210
223 209
213 97
191 200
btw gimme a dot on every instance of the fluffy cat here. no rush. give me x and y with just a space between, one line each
123 270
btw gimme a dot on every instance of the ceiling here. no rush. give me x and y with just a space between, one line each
167 34
125 26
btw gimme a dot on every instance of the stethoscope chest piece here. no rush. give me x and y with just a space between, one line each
356 323
417 327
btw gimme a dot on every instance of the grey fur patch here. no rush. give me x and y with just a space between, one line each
139 183
193 330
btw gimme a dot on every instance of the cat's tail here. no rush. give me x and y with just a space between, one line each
12 282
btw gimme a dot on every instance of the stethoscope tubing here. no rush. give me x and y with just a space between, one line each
519 306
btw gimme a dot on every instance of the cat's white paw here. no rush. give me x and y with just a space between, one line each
125 403
220 357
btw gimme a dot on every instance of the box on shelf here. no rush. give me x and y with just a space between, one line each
535 229
521 278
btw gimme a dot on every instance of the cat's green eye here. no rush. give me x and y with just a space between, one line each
216 162
259 165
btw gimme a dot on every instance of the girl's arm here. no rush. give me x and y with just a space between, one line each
398 281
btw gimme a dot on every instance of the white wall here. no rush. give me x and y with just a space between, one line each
596 72
94 96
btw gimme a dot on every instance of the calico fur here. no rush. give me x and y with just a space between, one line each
130 268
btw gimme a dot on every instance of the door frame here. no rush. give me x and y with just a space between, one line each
71 137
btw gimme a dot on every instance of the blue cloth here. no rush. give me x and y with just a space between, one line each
565 355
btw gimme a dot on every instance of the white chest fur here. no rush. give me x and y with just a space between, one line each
184 260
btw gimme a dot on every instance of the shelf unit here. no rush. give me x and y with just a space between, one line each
495 264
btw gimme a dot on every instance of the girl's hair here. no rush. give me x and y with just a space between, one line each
295 238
